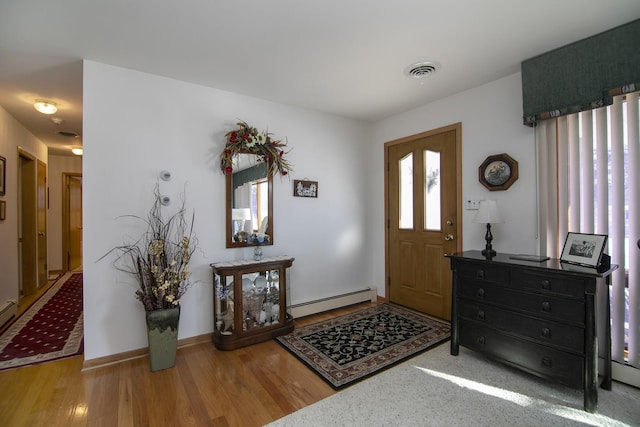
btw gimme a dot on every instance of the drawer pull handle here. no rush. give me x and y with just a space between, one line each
480 293
480 315
546 362
480 274
546 333
482 340
546 285
546 307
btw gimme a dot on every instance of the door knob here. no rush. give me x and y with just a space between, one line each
448 237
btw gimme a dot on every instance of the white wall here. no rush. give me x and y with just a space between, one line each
57 166
13 136
137 124
491 117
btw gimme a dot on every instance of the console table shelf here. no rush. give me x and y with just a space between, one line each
250 301
539 317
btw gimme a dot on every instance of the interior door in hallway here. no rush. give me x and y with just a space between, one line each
41 215
27 227
72 217
423 200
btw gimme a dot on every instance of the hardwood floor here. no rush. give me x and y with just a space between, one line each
251 386
25 302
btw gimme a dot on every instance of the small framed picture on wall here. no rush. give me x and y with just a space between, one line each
303 188
3 210
498 172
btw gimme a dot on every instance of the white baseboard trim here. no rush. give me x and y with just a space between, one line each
113 359
333 302
297 311
625 374
8 311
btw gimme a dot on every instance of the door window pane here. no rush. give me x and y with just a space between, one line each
406 192
432 212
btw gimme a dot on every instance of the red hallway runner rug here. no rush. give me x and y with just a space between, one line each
52 328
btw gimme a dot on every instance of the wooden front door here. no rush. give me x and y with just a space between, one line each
423 200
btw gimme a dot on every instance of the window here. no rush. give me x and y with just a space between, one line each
432 192
406 192
588 182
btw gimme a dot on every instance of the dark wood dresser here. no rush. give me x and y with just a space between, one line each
539 317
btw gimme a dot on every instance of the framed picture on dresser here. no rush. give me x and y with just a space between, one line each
583 249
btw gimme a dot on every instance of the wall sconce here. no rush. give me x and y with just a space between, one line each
488 214
77 151
45 107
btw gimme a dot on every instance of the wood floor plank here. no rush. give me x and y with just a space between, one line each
250 386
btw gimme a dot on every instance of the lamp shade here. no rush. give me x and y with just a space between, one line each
488 213
239 214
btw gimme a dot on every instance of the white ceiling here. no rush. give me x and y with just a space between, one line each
345 58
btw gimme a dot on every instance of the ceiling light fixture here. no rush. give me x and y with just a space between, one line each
421 70
77 151
45 107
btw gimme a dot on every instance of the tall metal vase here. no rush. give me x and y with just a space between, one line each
162 333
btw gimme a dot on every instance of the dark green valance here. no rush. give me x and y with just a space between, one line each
583 75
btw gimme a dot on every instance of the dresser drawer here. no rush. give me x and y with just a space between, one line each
544 361
542 330
483 272
546 283
549 306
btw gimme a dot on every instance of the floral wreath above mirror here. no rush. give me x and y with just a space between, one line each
247 139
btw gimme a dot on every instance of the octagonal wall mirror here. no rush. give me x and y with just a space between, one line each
249 201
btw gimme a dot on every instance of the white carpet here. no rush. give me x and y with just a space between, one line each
437 389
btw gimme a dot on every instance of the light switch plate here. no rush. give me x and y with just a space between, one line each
472 204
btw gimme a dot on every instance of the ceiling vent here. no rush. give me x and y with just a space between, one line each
421 70
67 133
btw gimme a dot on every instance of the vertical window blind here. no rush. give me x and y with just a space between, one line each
588 182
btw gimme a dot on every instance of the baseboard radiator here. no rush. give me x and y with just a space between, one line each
330 303
8 311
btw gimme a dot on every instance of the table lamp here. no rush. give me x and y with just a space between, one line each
239 216
488 214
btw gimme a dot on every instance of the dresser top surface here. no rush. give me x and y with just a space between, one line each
550 264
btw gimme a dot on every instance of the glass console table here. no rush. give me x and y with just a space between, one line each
250 301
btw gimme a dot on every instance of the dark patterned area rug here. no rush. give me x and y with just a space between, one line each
50 329
352 347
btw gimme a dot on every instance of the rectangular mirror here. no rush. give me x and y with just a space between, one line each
249 201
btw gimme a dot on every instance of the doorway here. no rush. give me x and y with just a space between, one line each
41 218
32 226
71 221
423 199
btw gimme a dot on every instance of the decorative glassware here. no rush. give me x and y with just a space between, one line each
257 253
